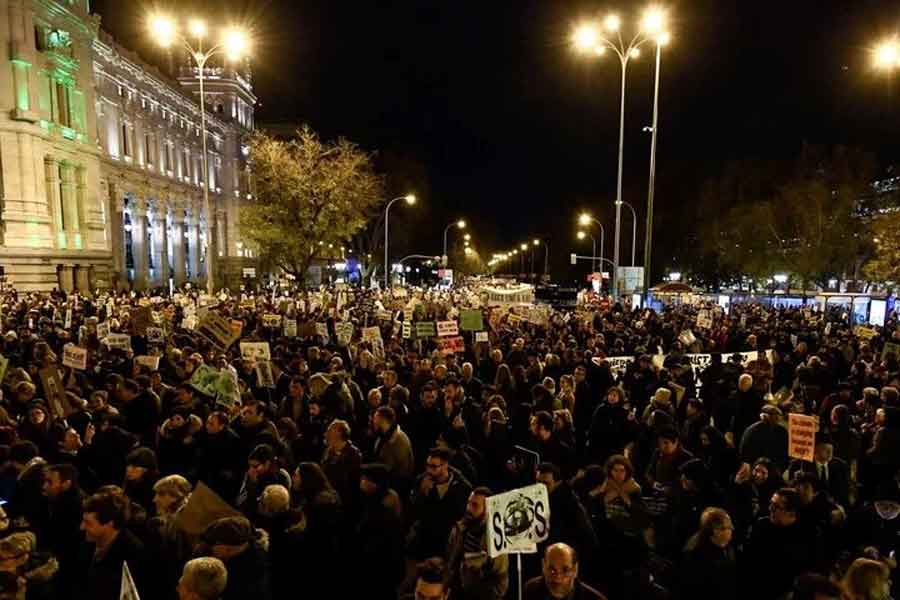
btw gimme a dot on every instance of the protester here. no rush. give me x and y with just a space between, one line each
203 578
560 578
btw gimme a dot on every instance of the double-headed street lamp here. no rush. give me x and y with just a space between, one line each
461 224
596 40
233 45
410 199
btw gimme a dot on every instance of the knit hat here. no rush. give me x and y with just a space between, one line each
142 457
228 531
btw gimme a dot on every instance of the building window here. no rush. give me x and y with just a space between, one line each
62 104
126 149
169 160
187 163
148 148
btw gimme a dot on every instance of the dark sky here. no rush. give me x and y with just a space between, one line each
483 108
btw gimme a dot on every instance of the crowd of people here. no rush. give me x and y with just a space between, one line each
361 465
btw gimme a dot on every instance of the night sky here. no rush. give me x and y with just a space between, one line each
483 109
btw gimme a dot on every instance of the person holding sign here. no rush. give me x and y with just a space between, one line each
473 574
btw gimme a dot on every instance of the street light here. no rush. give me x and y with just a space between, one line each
633 231
461 224
661 40
582 235
886 55
585 220
410 199
233 45
590 39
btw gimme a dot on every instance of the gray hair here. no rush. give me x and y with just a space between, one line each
206 577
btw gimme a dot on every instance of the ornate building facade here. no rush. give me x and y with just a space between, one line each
101 158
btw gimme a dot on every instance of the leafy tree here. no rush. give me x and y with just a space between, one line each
309 194
885 263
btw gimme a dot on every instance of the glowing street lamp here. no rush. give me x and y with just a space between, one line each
461 224
886 55
583 235
410 199
233 45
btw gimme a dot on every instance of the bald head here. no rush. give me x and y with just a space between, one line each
560 570
745 382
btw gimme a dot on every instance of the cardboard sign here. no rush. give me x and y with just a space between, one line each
513 320
264 377
481 336
406 330
384 315
141 319
203 507
801 436
204 380
445 328
55 392
155 335
471 320
121 341
255 350
290 328
217 330
344 333
518 520
103 330
74 357
370 334
151 362
451 345
425 329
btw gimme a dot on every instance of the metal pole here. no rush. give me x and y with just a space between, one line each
594 255
546 259
633 230
613 280
648 236
386 270
532 263
445 241
602 244
210 251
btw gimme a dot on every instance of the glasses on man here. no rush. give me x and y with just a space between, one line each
565 572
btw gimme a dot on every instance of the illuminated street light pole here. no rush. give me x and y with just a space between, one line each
410 199
633 231
233 45
581 236
585 220
589 38
462 225
661 41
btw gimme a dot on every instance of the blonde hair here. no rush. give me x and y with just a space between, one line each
865 578
175 486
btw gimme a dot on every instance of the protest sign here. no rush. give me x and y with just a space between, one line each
322 330
203 507
4 365
518 520
343 332
189 322
228 394
141 319
865 333
217 330
237 327
890 348
264 375
127 589
74 357
370 334
471 320
271 320
513 320
425 329
687 337
306 329
384 315
481 336
445 328
102 330
704 321
151 362
155 335
378 348
406 330
255 350
56 393
68 323
801 436
290 328
204 380
618 364
120 341
451 345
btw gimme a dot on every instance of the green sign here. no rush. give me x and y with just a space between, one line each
889 348
425 329
470 320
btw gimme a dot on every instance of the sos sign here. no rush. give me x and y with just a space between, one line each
518 520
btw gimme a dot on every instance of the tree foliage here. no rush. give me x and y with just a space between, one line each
885 262
309 194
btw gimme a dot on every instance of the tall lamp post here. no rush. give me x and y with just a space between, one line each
462 225
582 235
591 39
661 41
233 46
633 231
410 199
585 220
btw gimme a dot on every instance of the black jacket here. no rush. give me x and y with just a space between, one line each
102 577
708 573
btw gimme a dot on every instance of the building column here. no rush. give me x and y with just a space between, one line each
194 243
139 249
70 206
179 243
117 230
66 278
83 279
161 243
51 176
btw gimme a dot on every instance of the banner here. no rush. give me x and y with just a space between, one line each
445 328
217 330
344 333
74 357
151 362
471 320
517 520
801 436
425 329
505 296
451 345
255 350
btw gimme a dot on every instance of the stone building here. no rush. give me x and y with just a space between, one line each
101 159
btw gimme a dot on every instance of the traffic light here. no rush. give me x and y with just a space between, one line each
573 258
